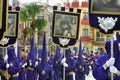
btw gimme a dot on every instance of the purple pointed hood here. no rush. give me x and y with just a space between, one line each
80 58
44 51
57 54
11 53
31 55
39 53
67 53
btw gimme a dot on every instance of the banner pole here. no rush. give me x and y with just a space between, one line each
64 66
112 53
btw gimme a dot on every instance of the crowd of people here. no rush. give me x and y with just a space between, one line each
66 65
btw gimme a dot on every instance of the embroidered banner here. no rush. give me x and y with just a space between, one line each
105 15
11 33
65 25
3 17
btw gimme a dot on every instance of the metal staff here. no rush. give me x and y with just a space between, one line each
112 54
5 53
64 66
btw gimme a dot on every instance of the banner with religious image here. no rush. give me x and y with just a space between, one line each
11 34
104 15
3 17
65 27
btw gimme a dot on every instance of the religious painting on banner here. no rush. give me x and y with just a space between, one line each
11 34
3 17
104 15
65 26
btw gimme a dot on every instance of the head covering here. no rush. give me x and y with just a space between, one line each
116 52
44 51
57 54
39 53
11 53
35 52
80 59
31 55
68 53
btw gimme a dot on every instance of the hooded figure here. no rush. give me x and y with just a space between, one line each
80 65
12 65
44 69
22 71
105 64
31 62
117 56
70 68
57 64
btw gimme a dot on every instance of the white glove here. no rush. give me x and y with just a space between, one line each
63 60
113 69
65 64
24 65
30 63
7 65
36 63
6 57
110 62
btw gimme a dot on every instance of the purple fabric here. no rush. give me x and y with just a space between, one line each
98 71
11 53
44 51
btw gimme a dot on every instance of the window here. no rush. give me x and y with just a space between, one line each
28 24
41 14
85 32
85 49
85 15
99 37
91 33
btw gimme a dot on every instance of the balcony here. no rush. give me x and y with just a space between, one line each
84 4
67 5
99 39
85 21
75 4
85 38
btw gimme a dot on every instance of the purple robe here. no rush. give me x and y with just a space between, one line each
44 72
22 71
71 65
81 67
31 59
13 61
99 72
